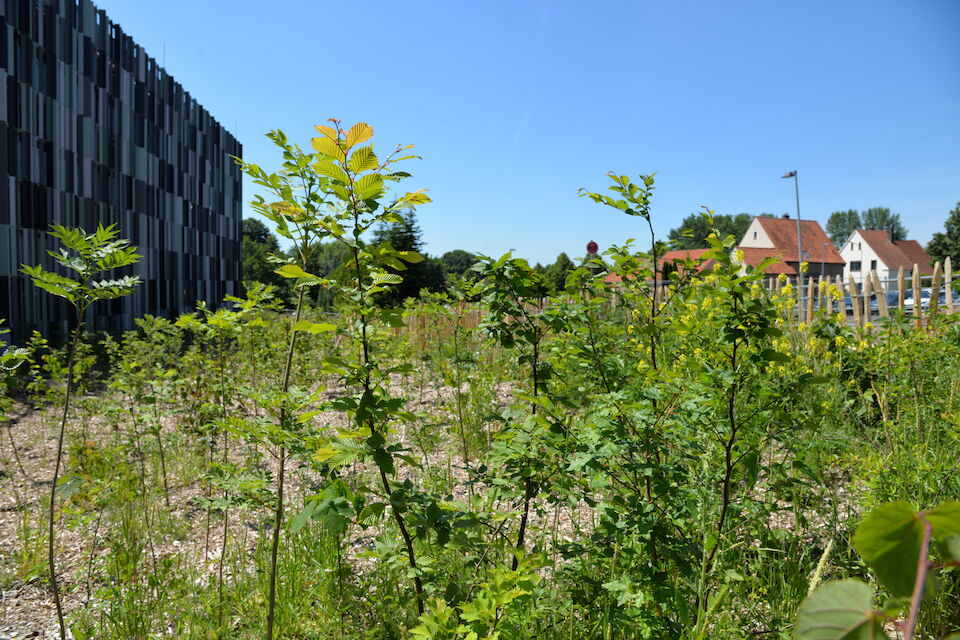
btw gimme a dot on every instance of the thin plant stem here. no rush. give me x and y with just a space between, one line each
51 514
281 458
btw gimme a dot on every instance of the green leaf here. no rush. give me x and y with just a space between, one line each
839 611
328 147
301 518
369 186
413 198
944 520
889 540
371 513
386 278
360 132
774 356
952 545
326 167
293 271
314 327
363 159
411 257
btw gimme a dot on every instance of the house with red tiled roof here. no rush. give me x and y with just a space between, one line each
867 250
768 237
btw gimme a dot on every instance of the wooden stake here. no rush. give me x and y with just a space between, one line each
948 282
917 307
935 289
901 289
867 308
881 296
855 301
810 303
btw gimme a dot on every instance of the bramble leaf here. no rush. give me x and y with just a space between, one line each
889 540
840 610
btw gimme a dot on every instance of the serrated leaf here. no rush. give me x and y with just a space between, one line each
313 327
386 278
944 520
889 540
952 545
839 611
326 167
371 512
774 356
293 271
301 518
411 257
369 186
414 198
363 159
360 132
328 147
330 132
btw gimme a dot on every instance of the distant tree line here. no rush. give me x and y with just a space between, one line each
261 253
434 273
842 224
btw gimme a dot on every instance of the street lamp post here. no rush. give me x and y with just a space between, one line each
796 188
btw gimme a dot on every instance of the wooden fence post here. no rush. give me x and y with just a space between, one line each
935 290
881 296
948 282
867 307
854 300
901 289
810 302
917 307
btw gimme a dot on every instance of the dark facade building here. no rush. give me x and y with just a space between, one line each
93 131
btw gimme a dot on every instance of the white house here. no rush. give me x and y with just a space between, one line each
872 249
768 237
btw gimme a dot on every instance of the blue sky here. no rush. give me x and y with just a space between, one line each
516 105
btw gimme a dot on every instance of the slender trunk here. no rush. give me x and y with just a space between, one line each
528 485
459 395
281 468
728 457
397 516
163 458
51 514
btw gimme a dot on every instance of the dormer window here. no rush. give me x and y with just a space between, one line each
754 235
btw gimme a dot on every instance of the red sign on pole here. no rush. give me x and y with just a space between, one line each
592 248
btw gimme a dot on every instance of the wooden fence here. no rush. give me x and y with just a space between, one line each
874 297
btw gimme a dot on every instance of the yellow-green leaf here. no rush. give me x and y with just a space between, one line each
314 327
415 198
292 271
330 132
358 133
328 147
326 167
363 159
369 186
411 257
324 454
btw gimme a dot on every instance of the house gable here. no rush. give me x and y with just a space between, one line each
756 237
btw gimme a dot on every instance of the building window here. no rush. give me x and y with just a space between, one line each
855 265
754 235
873 265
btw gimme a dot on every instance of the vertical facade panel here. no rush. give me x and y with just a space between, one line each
94 131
